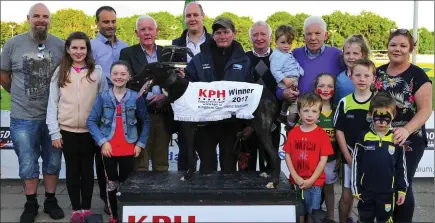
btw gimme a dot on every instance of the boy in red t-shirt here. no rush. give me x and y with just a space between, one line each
307 149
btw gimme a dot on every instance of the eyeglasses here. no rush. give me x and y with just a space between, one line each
41 48
358 36
401 31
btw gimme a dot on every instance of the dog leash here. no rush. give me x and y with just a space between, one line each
107 186
144 89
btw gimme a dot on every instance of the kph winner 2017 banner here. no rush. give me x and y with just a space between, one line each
217 100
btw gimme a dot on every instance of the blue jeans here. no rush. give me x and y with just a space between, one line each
31 140
310 199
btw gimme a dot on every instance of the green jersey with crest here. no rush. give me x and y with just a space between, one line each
326 122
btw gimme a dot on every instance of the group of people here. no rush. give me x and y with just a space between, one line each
343 114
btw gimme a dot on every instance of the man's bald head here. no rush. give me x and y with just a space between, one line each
194 5
39 20
38 6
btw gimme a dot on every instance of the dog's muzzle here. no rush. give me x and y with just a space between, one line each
171 79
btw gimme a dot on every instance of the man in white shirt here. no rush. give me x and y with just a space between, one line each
192 37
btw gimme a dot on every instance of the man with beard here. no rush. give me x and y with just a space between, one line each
260 35
105 50
193 36
27 64
105 46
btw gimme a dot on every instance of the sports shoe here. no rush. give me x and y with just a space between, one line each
113 220
318 215
30 212
86 213
52 209
76 217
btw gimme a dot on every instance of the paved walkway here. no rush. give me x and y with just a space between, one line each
13 199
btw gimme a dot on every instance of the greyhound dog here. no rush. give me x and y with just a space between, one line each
165 75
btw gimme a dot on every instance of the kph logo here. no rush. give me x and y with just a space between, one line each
160 219
204 93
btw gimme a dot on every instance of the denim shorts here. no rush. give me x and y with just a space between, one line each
31 141
309 199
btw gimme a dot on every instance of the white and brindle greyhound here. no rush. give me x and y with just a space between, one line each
165 75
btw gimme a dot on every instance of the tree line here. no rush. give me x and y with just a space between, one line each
340 26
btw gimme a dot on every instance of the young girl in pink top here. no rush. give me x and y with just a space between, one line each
73 89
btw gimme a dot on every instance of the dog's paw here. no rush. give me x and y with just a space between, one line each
182 179
264 175
270 185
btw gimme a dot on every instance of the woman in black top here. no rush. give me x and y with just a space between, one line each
412 90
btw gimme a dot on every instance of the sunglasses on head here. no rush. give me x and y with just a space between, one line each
359 36
401 31
41 48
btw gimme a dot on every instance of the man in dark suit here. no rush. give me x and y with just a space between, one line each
192 37
138 56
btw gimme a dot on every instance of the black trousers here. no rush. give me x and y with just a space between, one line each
182 163
99 169
218 133
117 169
405 212
376 206
78 150
263 158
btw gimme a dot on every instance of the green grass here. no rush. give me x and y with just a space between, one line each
5 102
433 92
427 67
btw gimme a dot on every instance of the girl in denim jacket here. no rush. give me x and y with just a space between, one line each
114 124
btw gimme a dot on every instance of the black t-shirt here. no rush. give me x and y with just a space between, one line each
403 88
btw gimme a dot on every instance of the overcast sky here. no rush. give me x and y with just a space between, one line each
399 11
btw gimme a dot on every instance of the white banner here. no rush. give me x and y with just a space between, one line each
9 161
217 100
212 213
